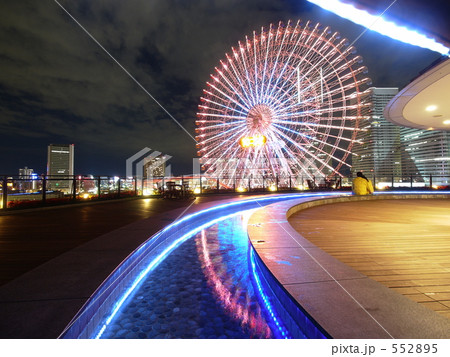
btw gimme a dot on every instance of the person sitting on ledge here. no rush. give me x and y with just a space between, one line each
362 185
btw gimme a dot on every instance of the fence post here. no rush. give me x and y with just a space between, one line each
44 189
135 185
411 181
5 192
118 189
276 181
290 183
392 182
99 181
74 188
431 181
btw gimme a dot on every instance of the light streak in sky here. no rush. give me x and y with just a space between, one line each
381 25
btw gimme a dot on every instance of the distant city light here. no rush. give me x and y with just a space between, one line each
147 192
380 25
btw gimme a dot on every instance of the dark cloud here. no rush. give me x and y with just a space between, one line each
58 86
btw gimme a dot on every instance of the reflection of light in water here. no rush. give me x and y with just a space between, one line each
237 303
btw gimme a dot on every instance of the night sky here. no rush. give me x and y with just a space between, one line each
57 85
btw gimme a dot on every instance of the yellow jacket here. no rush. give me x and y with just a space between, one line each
362 186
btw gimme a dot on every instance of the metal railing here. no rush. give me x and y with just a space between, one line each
202 184
36 191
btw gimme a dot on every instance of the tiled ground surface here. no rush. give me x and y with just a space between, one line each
403 244
31 238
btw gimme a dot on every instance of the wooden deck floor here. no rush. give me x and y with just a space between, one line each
403 244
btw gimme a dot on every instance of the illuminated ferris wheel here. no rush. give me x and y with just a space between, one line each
285 102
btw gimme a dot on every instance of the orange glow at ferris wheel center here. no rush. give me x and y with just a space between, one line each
255 141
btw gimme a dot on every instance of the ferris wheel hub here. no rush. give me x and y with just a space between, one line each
259 118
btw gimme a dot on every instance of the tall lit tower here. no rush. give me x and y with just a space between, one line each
380 151
155 166
426 153
60 159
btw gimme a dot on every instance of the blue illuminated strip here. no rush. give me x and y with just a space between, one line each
281 329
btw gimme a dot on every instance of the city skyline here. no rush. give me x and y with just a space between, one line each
58 86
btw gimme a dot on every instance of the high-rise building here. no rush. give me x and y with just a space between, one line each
60 160
379 153
27 180
388 150
426 153
155 166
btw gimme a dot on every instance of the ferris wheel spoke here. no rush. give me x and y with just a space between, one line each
266 57
209 151
255 66
304 151
211 137
231 99
214 138
315 157
237 76
287 64
234 153
221 124
280 156
276 59
335 147
223 143
293 88
329 58
223 116
243 62
289 60
295 123
232 88
224 167
220 106
218 109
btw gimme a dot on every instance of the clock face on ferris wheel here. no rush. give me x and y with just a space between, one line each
285 102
